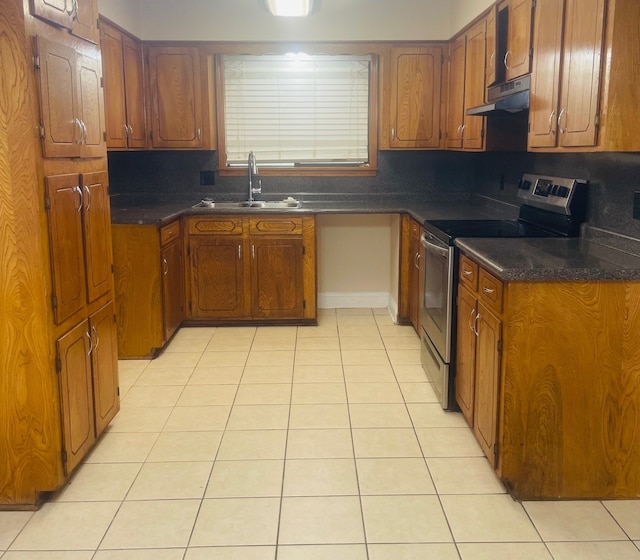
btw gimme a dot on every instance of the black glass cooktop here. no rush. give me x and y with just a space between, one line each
448 230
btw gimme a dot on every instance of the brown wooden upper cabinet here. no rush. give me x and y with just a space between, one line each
492 46
179 97
578 101
514 38
415 96
466 88
123 89
79 16
71 101
80 240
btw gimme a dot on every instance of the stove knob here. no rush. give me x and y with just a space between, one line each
524 185
554 190
563 192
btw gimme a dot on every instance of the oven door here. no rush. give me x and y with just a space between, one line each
437 297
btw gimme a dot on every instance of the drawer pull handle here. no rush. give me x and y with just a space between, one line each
473 311
467 272
488 290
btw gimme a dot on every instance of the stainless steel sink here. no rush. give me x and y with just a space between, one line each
257 204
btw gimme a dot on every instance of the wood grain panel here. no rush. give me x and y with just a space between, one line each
134 92
29 406
455 108
223 225
169 232
571 391
468 272
85 24
280 225
404 295
138 289
97 235
76 394
104 364
309 267
91 106
172 287
54 11
474 86
466 353
490 290
519 39
114 86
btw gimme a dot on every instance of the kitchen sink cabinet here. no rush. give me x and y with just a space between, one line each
149 279
584 62
78 16
252 268
554 378
123 88
180 97
479 342
71 101
411 272
412 94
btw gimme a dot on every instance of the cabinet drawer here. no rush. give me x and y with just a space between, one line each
468 273
490 290
169 232
284 225
219 225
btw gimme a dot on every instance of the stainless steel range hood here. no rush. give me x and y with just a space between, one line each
511 97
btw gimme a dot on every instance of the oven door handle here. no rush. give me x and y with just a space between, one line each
443 252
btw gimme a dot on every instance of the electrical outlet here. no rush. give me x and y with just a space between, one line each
207 178
636 205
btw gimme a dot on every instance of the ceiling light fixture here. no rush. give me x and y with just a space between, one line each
290 8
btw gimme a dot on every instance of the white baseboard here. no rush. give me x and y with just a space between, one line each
392 306
337 300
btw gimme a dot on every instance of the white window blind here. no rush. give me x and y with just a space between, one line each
297 109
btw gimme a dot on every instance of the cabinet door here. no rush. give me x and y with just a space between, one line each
474 90
104 361
466 352
276 278
492 47
545 77
517 58
217 277
85 22
57 75
134 92
97 230
76 394
455 112
64 204
172 287
114 89
90 106
415 97
59 12
487 377
176 97
580 87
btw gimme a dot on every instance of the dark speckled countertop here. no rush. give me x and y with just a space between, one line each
509 259
551 259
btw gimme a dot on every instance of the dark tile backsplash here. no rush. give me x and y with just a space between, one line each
613 178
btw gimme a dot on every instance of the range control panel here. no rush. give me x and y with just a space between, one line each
556 194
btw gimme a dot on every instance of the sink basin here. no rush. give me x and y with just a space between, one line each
258 204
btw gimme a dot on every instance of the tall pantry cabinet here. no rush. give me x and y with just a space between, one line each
58 356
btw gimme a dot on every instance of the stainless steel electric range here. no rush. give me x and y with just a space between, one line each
551 207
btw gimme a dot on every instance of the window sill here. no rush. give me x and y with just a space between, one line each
324 171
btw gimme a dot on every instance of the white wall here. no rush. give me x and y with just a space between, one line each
357 261
463 11
126 13
247 20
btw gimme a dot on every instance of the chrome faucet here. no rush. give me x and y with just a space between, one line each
253 174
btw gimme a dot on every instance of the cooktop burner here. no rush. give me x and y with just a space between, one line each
447 230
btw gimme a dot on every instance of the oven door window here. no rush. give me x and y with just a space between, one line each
436 297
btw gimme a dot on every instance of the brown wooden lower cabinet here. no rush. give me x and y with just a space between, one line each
411 272
87 363
252 268
553 391
149 281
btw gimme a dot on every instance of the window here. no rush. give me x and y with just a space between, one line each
299 113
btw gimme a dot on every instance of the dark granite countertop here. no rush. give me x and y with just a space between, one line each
146 211
553 259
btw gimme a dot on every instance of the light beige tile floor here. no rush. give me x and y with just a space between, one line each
309 443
